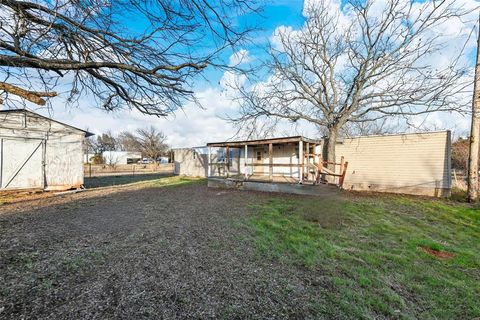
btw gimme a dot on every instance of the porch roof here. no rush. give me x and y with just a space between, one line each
263 141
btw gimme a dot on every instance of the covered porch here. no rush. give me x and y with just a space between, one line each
291 160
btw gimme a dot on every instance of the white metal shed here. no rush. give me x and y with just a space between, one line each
37 152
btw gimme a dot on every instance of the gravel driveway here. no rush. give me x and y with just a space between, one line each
169 252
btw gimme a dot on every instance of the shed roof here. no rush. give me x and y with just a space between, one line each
87 134
263 141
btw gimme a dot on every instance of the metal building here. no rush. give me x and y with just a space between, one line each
37 152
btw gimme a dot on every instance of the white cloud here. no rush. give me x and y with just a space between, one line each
240 57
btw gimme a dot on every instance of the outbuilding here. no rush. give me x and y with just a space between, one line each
37 152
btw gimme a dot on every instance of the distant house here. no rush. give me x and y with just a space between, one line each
37 152
121 157
414 163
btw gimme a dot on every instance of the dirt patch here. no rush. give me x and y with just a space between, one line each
439 254
144 252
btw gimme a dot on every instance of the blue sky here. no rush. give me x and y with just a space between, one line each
193 126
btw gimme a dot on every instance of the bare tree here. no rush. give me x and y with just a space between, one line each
151 143
360 64
91 48
105 142
128 141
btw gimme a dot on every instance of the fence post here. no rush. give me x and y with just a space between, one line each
133 170
90 170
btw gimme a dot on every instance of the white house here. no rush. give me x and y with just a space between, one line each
121 157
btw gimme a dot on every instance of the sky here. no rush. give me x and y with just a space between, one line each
194 126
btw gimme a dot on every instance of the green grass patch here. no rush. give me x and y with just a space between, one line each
371 250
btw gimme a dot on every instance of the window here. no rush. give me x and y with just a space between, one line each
194 154
259 155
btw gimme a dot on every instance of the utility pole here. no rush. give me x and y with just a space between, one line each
475 132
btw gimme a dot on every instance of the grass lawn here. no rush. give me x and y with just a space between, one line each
173 248
378 253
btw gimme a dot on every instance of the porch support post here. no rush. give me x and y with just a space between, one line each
227 171
307 149
238 163
246 157
300 161
209 168
270 161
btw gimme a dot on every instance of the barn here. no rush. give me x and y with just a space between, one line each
37 152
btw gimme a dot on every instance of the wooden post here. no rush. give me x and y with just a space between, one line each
474 133
342 177
270 161
209 168
307 149
227 158
342 165
238 162
300 159
246 157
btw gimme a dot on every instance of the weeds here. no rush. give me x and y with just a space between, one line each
369 248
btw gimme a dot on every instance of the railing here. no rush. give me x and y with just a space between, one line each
320 169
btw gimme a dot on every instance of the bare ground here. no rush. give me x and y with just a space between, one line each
133 252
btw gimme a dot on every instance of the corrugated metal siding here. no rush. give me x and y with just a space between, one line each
64 161
63 151
21 163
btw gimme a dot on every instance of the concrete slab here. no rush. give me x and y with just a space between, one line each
319 190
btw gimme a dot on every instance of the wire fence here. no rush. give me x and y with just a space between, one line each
101 170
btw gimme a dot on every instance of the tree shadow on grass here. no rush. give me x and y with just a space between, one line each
107 181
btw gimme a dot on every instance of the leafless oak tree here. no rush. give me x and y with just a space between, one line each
368 64
139 54
149 141
152 143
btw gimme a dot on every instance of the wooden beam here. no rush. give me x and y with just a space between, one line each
246 158
239 144
270 161
209 169
293 165
300 159
238 162
341 179
307 149
227 158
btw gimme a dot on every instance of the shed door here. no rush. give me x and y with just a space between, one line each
21 163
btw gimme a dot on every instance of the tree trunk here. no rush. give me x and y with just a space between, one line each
328 151
474 133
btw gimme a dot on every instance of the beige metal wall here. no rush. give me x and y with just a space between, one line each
61 151
188 165
405 163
